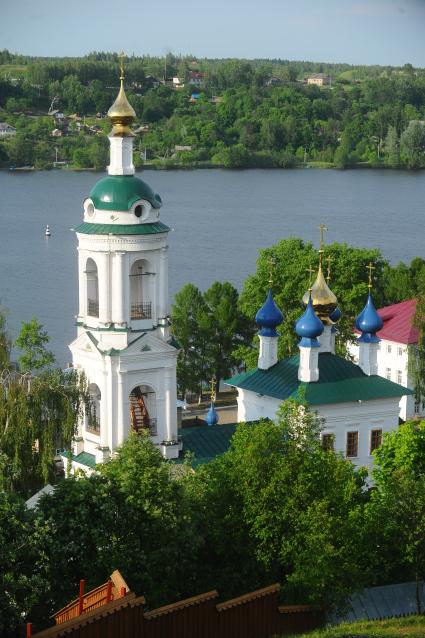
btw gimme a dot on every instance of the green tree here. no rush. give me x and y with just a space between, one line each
190 326
22 582
296 510
412 145
32 340
228 329
392 148
37 416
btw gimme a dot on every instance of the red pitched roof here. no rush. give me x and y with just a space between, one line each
398 322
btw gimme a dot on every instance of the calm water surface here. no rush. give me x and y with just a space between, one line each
220 220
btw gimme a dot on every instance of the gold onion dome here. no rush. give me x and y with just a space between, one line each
323 299
121 112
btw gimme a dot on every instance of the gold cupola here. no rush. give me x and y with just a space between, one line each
323 299
121 112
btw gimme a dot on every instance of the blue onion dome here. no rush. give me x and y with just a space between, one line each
369 322
269 317
212 416
335 316
309 326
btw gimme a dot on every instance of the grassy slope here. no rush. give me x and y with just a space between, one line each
411 627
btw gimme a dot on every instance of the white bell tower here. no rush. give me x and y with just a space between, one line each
123 343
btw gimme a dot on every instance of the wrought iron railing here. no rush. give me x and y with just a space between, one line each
93 308
141 310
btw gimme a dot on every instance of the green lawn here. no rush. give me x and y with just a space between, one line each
411 627
13 70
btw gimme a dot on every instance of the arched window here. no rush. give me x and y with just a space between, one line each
93 411
140 301
92 288
143 409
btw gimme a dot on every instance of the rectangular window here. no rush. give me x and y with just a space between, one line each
399 377
400 352
328 442
375 440
389 348
417 405
388 374
352 444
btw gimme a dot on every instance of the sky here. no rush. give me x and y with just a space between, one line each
386 32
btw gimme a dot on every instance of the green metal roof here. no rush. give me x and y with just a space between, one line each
206 442
120 192
87 228
85 458
340 381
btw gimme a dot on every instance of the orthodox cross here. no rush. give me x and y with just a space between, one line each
272 263
370 268
122 56
310 278
322 229
213 392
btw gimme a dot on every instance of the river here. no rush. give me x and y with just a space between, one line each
220 221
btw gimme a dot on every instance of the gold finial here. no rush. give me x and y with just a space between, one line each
328 274
370 268
213 395
121 112
310 271
122 56
272 263
322 229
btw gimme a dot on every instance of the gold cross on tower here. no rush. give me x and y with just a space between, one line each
213 392
122 56
370 268
272 263
322 229
310 277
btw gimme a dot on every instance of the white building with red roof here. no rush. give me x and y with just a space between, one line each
398 336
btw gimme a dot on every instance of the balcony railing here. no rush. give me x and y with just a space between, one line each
93 308
141 310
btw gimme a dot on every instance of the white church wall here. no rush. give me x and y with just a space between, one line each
339 419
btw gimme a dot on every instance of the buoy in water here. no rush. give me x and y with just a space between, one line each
47 232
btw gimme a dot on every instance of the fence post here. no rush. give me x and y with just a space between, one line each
109 592
81 597
123 592
29 630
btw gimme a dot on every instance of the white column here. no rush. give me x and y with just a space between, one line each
120 409
121 153
325 340
82 284
170 404
118 295
309 364
163 283
268 352
368 357
104 420
104 288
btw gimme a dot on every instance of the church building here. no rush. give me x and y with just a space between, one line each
123 343
357 404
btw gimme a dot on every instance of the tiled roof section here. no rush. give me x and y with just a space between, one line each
87 228
85 458
207 442
398 322
340 381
